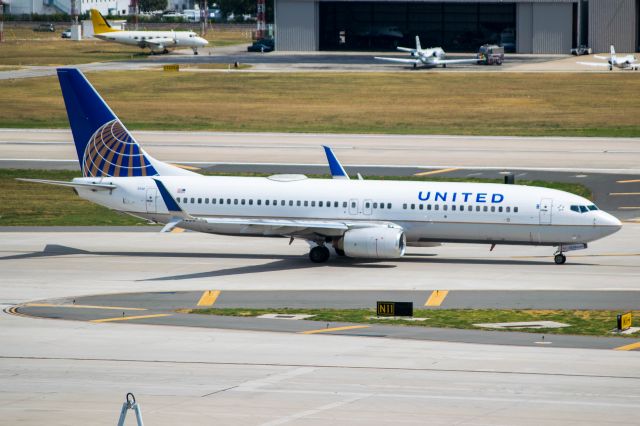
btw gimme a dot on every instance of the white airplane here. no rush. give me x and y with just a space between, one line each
430 57
357 218
157 41
622 62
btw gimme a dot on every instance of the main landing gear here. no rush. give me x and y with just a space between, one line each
319 254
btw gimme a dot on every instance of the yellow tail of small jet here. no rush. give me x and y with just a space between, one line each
100 25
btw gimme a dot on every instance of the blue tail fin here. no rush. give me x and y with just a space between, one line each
104 146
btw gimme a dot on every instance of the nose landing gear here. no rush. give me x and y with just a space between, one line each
560 259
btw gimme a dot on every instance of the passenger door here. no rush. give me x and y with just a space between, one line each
546 205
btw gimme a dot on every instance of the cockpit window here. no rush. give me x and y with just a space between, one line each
584 209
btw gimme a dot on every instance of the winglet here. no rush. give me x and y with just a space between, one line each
337 171
169 201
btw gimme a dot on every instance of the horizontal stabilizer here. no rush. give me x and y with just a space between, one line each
89 185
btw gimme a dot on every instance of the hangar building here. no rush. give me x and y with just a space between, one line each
522 26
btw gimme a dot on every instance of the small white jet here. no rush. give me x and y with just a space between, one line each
430 57
157 41
628 62
347 217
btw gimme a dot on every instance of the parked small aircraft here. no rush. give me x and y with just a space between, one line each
430 57
628 62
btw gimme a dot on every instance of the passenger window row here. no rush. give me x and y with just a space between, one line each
260 202
461 208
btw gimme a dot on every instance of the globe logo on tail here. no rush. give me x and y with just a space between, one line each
112 151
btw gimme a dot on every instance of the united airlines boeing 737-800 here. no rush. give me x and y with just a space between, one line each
356 218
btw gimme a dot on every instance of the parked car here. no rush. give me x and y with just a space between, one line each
45 28
262 45
581 50
490 54
66 33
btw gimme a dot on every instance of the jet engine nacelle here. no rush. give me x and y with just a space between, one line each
374 243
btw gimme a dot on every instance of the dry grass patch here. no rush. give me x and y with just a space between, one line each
456 103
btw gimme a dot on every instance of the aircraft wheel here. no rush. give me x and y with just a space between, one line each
560 259
444 65
195 53
319 254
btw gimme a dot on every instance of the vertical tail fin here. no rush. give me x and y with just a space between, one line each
100 25
103 144
613 51
418 46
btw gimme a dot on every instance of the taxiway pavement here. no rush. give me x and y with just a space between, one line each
56 371
579 154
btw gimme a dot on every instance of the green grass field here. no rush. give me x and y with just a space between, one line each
591 323
32 204
398 103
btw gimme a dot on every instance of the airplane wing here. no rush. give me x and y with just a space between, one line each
399 60
94 186
457 61
634 66
604 58
264 226
337 171
594 64
159 43
405 49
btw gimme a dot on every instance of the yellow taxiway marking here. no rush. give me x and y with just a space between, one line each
131 318
208 298
629 208
177 230
630 347
328 330
436 298
434 172
628 181
50 305
623 193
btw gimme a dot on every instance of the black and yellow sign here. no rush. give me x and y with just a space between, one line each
624 321
394 309
171 67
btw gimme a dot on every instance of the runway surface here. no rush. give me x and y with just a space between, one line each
56 370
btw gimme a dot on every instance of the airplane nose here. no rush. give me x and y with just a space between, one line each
203 41
610 223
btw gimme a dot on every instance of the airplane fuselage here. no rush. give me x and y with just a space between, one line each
426 211
155 40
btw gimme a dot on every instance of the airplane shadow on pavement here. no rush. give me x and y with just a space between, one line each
280 263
